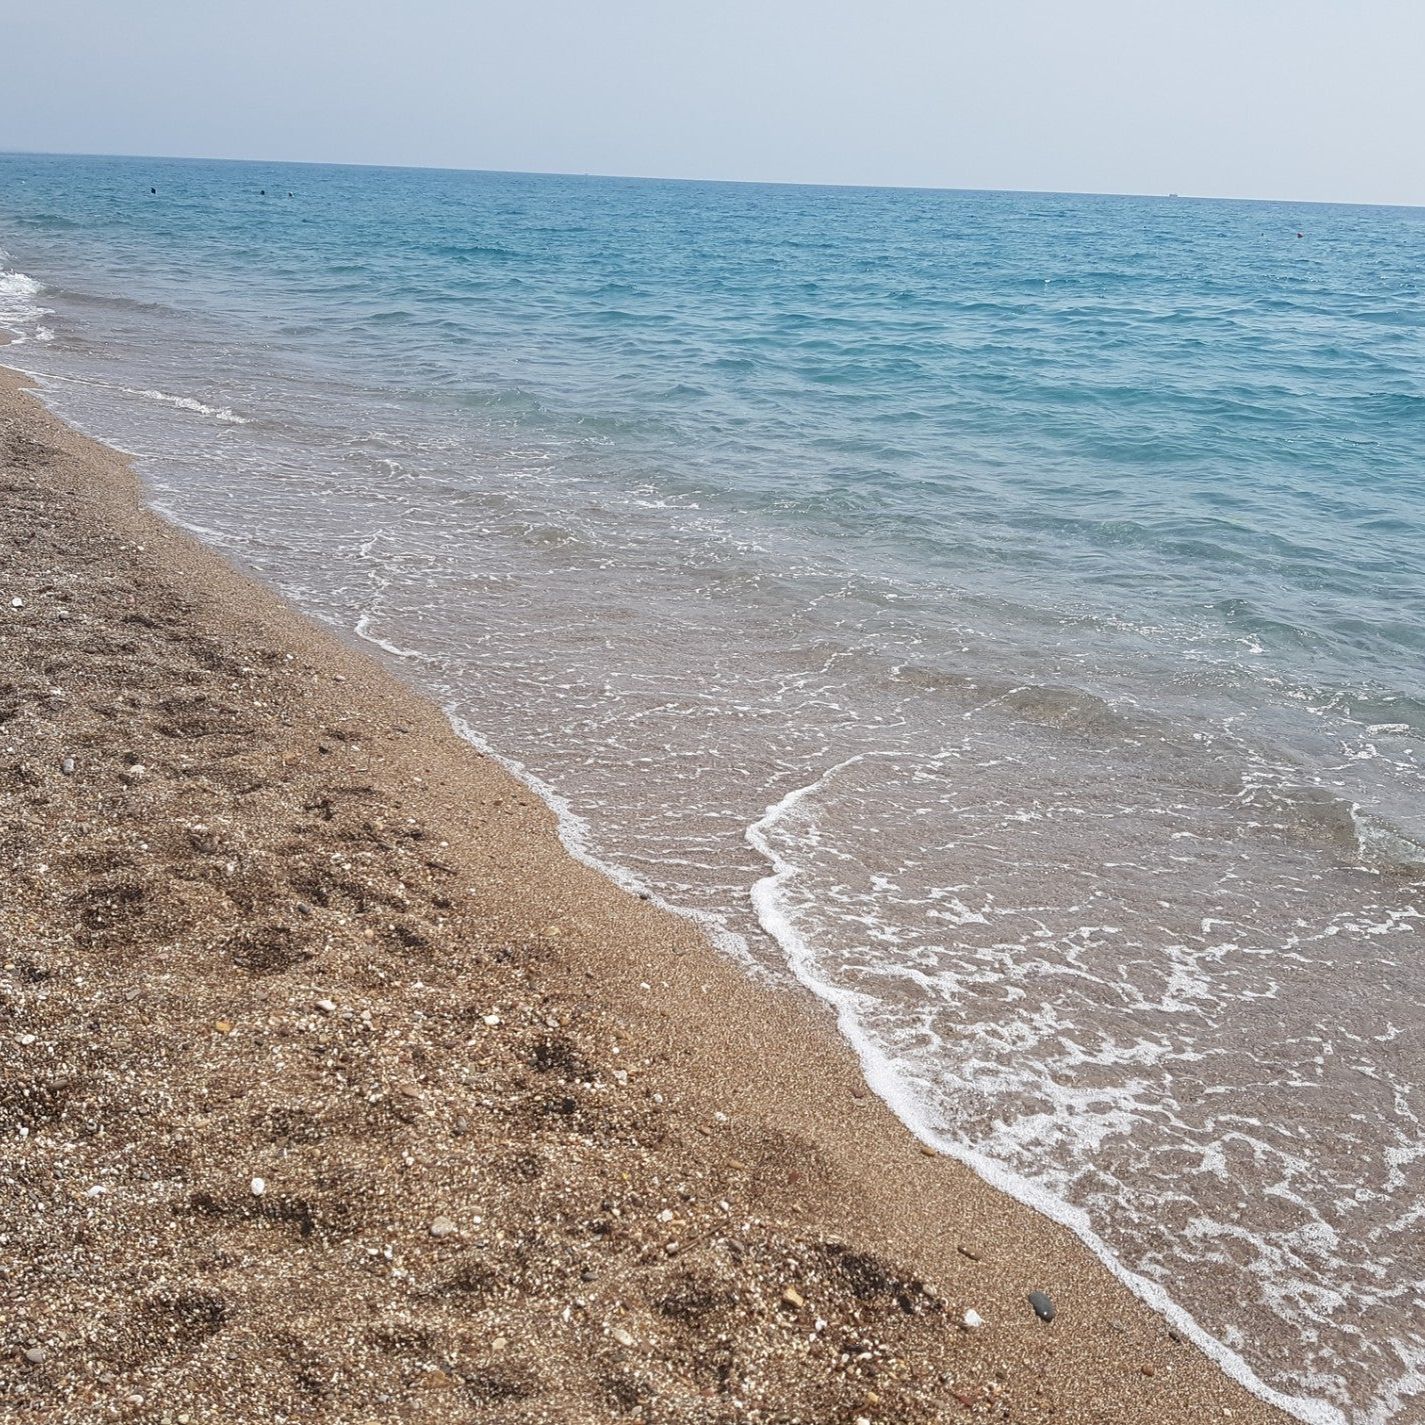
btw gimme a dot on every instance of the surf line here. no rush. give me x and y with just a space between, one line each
891 1086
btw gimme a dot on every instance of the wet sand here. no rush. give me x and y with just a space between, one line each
333 1089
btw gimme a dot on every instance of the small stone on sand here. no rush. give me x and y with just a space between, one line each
443 1227
621 1336
36 1355
972 1320
1043 1307
259 1186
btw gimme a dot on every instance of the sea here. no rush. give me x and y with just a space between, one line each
1001 613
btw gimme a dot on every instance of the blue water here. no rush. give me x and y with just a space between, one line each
1011 608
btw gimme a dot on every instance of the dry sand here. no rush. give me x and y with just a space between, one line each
334 1090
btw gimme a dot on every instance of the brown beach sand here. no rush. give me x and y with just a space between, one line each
528 1150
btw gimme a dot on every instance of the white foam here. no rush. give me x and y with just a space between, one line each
574 832
363 631
886 1080
886 1076
183 403
577 840
188 403
20 308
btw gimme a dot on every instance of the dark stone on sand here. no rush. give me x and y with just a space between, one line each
1043 1307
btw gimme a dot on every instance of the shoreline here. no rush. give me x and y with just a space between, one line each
220 693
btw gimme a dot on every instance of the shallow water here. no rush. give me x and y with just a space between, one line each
1005 612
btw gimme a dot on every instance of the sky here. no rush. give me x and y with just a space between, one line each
1296 99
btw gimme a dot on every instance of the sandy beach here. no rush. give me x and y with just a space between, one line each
333 1089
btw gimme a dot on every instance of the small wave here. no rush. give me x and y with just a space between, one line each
19 285
184 403
1386 848
1063 708
576 836
906 1099
1320 815
114 301
476 252
20 307
188 403
1068 709
51 222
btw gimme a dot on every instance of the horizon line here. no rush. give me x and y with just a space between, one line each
677 178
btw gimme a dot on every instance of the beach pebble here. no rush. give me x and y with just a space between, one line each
794 1298
972 1320
17 603
259 1186
67 766
1043 1307
621 1336
327 1006
37 1355
443 1227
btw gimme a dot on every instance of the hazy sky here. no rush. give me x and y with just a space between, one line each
1251 98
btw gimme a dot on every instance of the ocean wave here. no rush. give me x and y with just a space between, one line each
1161 546
220 414
1324 817
20 308
189 403
909 1100
114 301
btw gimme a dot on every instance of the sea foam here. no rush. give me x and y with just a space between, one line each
1070 627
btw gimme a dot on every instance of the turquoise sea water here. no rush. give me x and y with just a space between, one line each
1004 612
